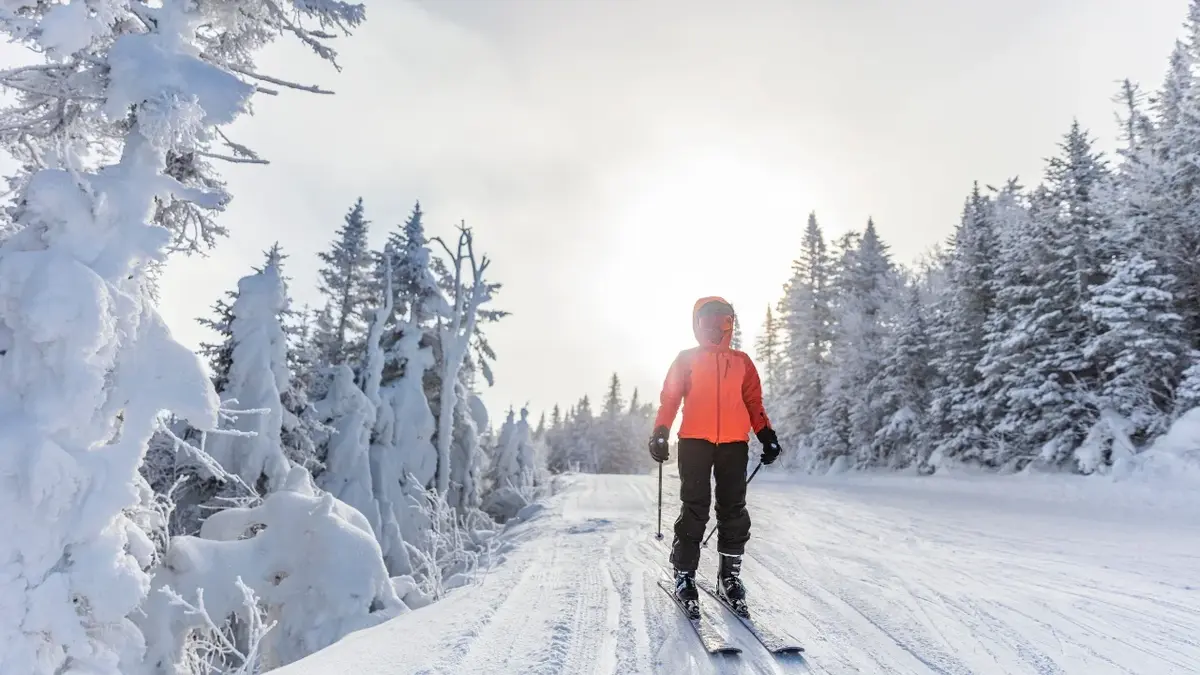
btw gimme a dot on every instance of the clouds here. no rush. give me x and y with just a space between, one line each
544 123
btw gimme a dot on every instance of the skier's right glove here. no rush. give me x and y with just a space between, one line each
659 447
770 445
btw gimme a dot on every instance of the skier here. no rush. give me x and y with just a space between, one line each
722 402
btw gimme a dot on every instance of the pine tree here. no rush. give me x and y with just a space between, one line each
1175 179
258 379
345 280
613 403
870 284
900 392
415 283
1006 351
1037 360
1140 342
960 334
219 354
805 313
768 351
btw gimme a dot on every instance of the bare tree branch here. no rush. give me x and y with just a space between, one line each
311 88
235 160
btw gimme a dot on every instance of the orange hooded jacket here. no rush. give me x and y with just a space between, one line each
719 387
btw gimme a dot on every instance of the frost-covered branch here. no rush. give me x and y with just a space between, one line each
233 160
310 88
210 647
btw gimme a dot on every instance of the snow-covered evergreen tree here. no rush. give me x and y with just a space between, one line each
345 451
1140 342
865 284
805 315
768 352
258 376
1060 376
901 390
113 131
960 331
414 280
346 283
539 432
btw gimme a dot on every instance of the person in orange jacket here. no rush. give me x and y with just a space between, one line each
722 403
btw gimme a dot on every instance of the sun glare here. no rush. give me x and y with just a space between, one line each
707 224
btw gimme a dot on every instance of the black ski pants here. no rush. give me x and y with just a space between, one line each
699 462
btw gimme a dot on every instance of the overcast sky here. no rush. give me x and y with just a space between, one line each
620 158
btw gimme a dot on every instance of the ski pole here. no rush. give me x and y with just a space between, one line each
659 534
704 544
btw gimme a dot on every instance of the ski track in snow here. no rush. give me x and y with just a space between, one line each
889 575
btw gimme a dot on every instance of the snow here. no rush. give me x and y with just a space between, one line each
1173 458
312 560
898 574
69 28
143 66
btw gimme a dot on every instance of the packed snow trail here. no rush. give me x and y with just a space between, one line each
887 575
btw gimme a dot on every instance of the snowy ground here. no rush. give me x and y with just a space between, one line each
885 575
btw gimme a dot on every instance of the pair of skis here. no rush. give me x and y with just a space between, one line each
705 626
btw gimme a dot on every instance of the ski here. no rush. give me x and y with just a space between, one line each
773 641
712 639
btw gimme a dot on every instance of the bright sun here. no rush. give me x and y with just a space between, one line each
704 224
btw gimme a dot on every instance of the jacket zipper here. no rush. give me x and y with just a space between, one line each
717 356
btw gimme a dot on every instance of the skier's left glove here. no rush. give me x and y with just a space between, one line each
770 445
659 446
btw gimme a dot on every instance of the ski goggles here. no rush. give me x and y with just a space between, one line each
715 316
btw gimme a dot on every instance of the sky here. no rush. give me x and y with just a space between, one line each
619 159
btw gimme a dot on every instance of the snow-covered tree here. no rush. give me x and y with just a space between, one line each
539 432
768 351
806 325
414 281
345 451
403 456
969 300
1059 375
515 462
258 375
900 391
113 132
454 335
863 285
346 283
612 442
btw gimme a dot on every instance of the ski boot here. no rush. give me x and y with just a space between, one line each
686 594
729 586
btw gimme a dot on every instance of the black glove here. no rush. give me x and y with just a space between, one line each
770 445
659 447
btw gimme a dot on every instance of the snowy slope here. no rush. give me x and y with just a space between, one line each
886 575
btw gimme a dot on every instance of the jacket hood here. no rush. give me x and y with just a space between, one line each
726 338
